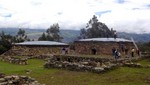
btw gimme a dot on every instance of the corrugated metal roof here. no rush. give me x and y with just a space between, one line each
106 39
40 43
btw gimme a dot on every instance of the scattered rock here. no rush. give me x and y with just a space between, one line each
14 60
132 64
18 80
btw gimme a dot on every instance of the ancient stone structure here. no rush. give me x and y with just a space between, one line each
34 48
90 64
102 45
17 80
14 60
75 63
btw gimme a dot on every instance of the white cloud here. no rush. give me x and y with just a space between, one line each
74 14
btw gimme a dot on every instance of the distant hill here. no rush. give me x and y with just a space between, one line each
68 35
71 35
136 37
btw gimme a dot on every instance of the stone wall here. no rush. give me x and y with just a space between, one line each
33 50
101 47
14 60
17 80
76 63
91 64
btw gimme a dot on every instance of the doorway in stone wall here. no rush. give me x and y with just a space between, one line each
93 51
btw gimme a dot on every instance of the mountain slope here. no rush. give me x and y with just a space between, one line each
71 35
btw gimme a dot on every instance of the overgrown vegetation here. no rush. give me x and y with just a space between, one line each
120 76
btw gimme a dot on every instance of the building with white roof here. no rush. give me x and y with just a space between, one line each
33 48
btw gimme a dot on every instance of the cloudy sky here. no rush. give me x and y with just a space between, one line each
122 15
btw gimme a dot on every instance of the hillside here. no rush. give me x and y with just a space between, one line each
136 37
68 35
71 35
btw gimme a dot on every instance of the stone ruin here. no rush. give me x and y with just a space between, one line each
42 56
23 50
75 63
102 45
17 80
91 64
14 60
22 60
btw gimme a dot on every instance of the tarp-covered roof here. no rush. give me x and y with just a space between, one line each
106 40
45 43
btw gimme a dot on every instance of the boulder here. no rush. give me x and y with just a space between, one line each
98 69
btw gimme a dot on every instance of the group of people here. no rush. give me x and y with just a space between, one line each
117 54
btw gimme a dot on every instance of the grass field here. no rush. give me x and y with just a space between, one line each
120 76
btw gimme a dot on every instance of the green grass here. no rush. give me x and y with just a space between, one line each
17 69
120 76
145 62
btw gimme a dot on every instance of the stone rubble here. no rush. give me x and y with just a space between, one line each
96 65
14 60
22 60
133 65
17 80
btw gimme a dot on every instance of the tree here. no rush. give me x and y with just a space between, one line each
83 33
54 29
21 32
43 37
46 37
21 36
52 33
5 42
95 29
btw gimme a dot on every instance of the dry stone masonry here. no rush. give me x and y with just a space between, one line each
21 60
17 80
75 63
33 50
14 60
90 64
102 45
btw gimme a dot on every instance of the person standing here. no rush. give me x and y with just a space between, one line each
63 50
66 50
116 54
113 51
115 34
132 52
